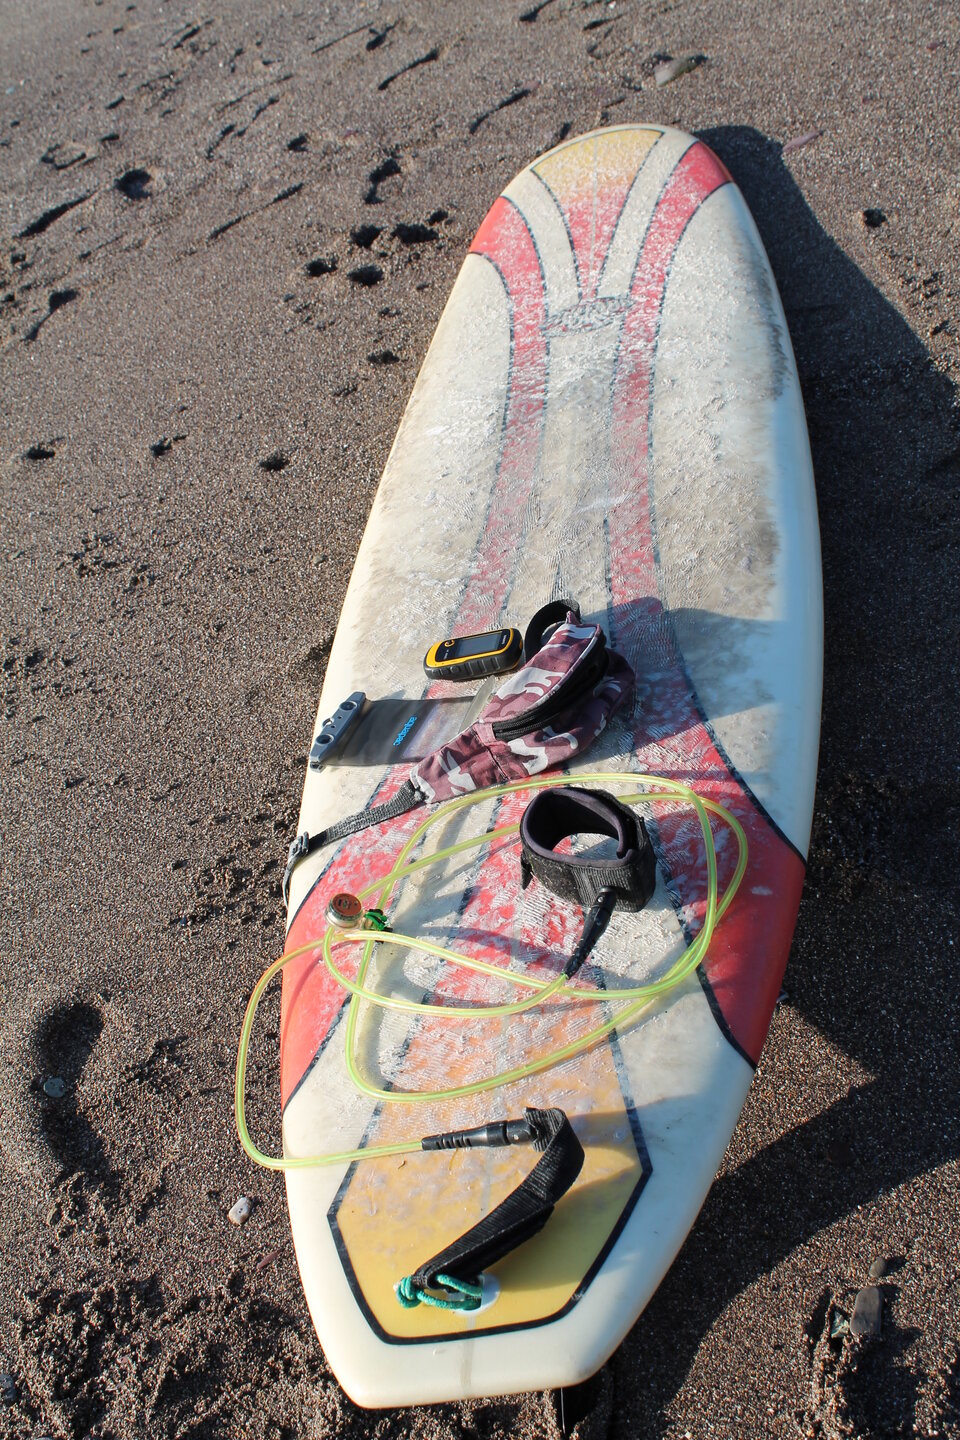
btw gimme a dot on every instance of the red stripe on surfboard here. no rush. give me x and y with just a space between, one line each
592 221
311 999
749 951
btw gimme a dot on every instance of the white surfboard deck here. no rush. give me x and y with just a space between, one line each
609 410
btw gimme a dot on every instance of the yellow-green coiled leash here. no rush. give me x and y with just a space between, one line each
379 892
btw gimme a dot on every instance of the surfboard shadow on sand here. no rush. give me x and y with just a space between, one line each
872 972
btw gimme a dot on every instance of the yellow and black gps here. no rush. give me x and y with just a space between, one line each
472 657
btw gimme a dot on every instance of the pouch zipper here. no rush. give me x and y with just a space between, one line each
589 669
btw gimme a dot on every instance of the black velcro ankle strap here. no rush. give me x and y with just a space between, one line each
556 814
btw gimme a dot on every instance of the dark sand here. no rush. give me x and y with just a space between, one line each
165 624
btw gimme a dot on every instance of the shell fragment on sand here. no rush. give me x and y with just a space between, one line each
800 141
669 70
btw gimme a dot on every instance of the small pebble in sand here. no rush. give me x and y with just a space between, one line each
8 1388
873 219
239 1213
55 1087
867 1312
323 265
878 1269
669 70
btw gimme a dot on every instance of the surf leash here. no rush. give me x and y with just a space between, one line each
376 896
361 920
517 1218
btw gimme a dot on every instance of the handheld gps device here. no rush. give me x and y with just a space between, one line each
472 657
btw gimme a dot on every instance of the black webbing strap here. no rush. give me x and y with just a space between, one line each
408 797
542 625
521 1215
556 814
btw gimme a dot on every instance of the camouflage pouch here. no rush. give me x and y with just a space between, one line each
544 714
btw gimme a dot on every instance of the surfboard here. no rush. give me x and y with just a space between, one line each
609 410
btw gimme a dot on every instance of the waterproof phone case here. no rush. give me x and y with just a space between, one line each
391 731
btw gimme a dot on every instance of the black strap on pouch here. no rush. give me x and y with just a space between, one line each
538 631
544 622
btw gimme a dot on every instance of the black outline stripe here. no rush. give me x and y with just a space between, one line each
636 736
626 201
566 226
679 659
681 664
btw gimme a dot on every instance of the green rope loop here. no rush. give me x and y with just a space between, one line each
410 1295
